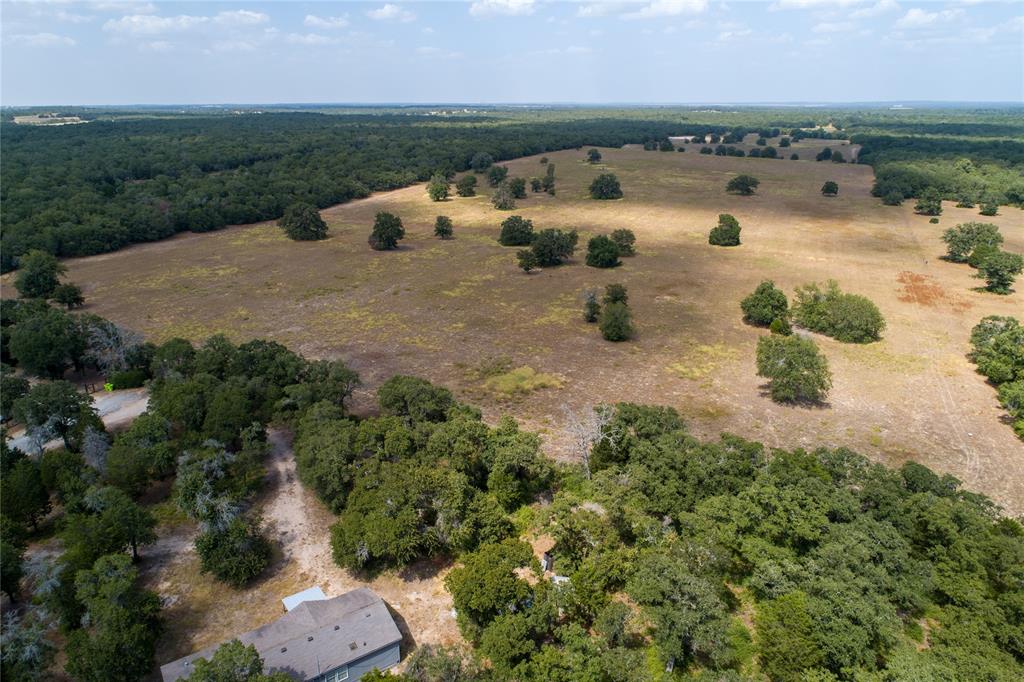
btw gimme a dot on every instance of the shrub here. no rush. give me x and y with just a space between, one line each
780 325
503 199
795 369
766 304
837 157
443 227
593 156
989 209
934 221
527 260
68 295
387 230
998 344
830 188
930 203
744 185
1000 270
129 378
591 308
518 187
516 231
980 254
615 322
496 175
551 247
236 554
602 252
302 222
963 239
850 318
438 188
615 293
605 186
625 240
38 274
536 185
707 150
893 198
794 157
543 160
466 186
726 233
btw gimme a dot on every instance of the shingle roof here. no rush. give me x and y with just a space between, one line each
314 637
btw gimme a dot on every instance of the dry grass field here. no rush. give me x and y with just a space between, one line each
460 312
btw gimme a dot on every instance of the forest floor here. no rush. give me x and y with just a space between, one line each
458 311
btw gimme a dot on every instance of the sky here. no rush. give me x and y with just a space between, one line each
510 51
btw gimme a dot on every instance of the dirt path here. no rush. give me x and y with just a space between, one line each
117 409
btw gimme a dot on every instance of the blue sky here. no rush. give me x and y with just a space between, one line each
655 51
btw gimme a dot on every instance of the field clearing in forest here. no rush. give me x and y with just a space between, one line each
440 309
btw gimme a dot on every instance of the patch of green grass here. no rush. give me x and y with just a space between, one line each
520 381
702 360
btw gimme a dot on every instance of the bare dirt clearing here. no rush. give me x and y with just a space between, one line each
442 309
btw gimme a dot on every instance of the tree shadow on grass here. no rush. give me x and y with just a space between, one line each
408 644
765 390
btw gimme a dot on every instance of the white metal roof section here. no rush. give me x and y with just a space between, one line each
310 594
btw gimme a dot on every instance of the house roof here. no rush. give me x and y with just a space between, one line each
314 637
310 594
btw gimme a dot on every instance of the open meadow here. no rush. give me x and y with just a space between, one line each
460 312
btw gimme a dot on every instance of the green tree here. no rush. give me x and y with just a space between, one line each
795 369
527 260
830 188
552 247
615 293
744 185
784 142
602 252
849 318
387 231
235 554
536 185
766 304
496 175
486 585
892 198
591 308
786 638
23 497
929 203
302 222
518 187
989 208
616 323
60 406
12 557
438 188
481 161
980 254
12 387
38 274
416 398
503 199
46 344
605 186
1000 270
516 231
548 183
965 237
466 186
625 240
443 227
234 662
726 233
593 156
68 295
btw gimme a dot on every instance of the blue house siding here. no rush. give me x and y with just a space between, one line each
382 660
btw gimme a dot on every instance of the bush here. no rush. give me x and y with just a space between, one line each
129 378
236 554
795 370
466 186
615 322
536 185
625 240
38 274
615 293
794 157
518 187
443 227
998 344
963 239
744 185
726 233
387 230
605 186
850 318
68 295
527 260
438 188
989 209
1000 270
591 308
551 247
830 188
766 304
980 254
780 325
503 199
496 175
302 222
602 252
930 203
893 198
707 150
516 231
593 156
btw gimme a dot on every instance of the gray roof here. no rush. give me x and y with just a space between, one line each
314 637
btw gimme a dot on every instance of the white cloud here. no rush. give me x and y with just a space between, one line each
233 46
68 17
808 4
726 36
241 17
483 8
145 24
669 8
919 18
309 39
314 21
391 12
42 40
877 9
833 26
597 9
429 51
158 46
126 6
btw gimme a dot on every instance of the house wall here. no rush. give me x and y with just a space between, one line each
382 660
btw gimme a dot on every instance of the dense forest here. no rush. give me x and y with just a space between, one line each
128 177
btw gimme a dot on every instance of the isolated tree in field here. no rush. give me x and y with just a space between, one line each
302 222
615 293
481 161
235 554
1000 270
605 186
849 318
60 406
443 227
666 145
552 247
726 233
616 322
438 188
503 199
38 274
68 295
794 157
516 231
387 231
518 187
466 186
536 185
837 157
744 185
830 188
795 369
625 240
602 252
593 156
930 203
989 208
591 308
766 304
527 260
963 239
824 155
543 160
784 142
496 175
